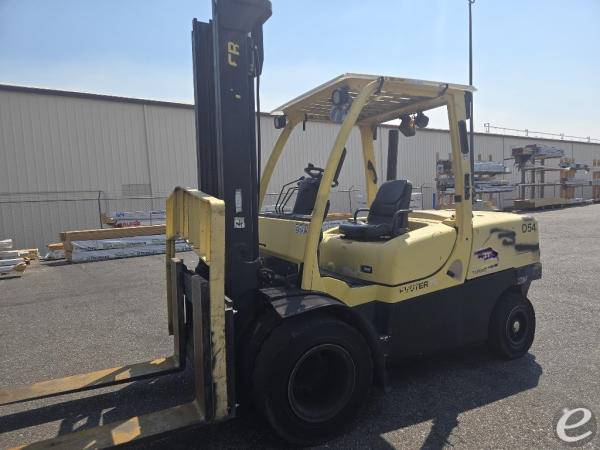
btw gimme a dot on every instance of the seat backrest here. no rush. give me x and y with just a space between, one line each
307 196
391 196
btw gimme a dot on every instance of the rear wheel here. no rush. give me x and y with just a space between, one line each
512 326
310 378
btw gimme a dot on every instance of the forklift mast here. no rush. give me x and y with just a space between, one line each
227 57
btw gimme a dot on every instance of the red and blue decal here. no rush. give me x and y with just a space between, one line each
486 254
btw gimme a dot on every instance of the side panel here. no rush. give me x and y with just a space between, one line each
283 238
414 255
502 241
445 319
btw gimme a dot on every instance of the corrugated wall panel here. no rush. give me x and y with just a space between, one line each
54 147
70 144
52 143
35 224
172 148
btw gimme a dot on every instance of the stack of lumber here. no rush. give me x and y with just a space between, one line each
14 262
55 251
538 151
571 177
121 219
114 243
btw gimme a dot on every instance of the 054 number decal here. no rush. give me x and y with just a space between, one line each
528 227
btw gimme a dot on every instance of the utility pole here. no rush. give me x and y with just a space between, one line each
472 131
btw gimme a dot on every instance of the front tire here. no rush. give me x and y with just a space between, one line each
310 378
512 326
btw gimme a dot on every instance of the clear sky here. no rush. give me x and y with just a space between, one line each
537 62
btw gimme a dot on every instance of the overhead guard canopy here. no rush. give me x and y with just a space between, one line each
396 96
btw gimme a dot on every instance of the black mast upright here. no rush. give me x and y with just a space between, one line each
227 54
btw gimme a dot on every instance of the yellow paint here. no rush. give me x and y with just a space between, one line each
310 277
414 255
492 230
283 238
436 253
200 219
233 49
366 137
97 378
267 173
126 431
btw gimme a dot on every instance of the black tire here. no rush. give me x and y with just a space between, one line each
310 378
512 326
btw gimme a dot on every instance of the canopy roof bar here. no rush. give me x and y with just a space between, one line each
397 96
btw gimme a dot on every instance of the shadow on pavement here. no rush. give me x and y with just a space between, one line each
436 388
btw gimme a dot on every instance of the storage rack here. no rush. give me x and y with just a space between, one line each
596 180
485 178
531 162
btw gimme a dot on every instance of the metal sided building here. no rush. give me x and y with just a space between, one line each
66 158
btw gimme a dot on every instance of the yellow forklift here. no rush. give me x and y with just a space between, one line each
294 317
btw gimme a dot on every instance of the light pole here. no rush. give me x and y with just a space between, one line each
472 131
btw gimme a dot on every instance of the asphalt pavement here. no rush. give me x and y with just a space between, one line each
63 319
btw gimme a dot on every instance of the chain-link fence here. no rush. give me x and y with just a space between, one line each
34 219
149 207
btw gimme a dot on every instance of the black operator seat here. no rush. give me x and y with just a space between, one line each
388 215
308 189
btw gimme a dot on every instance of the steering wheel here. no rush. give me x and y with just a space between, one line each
313 171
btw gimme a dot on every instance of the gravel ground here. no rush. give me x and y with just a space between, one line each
63 319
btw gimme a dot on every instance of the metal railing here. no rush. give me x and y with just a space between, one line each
341 200
351 199
530 133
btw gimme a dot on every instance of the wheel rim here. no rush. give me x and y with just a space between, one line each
517 326
321 383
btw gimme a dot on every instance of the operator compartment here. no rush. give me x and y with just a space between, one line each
283 228
418 253
388 247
